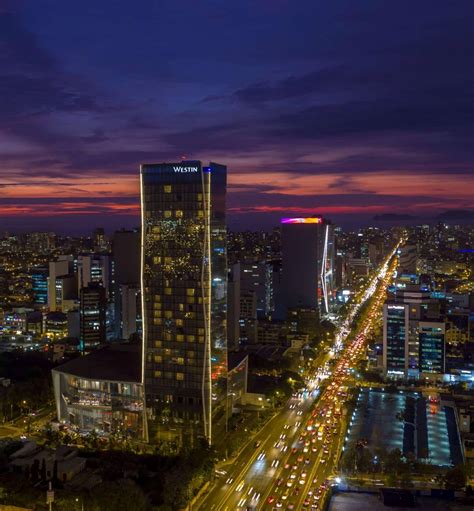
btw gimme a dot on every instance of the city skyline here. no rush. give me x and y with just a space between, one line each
356 112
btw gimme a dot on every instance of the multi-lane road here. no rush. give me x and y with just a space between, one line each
287 465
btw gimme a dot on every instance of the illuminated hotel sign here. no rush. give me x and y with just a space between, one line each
312 220
185 169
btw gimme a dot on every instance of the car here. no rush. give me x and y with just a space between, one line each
220 472
279 504
292 475
271 499
230 480
240 486
285 495
289 483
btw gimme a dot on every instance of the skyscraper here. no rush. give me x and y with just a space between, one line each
183 280
92 316
308 263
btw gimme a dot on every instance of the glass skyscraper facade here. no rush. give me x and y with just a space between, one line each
308 255
184 296
395 339
432 347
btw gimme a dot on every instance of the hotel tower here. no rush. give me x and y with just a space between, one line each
184 295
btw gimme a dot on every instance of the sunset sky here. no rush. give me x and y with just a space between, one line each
349 109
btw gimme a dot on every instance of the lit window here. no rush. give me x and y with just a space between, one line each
179 213
168 291
190 338
167 189
190 291
158 359
157 260
157 374
167 214
179 322
180 361
180 338
157 321
180 376
168 314
158 344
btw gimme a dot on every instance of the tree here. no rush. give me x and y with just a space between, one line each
455 479
43 470
120 495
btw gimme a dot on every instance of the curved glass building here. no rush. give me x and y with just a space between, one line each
184 295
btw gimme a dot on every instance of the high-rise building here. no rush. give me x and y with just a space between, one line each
95 268
184 298
92 316
39 277
432 347
308 253
395 339
130 318
126 272
58 284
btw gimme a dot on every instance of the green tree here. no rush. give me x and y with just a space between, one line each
455 479
120 495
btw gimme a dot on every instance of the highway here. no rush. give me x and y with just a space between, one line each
287 465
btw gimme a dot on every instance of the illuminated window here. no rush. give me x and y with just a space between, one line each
180 338
190 291
158 359
157 260
157 321
200 213
199 196
190 299
167 214
157 374
158 344
158 305
189 315
181 307
168 314
157 314
201 331
157 298
167 188
190 338
179 213
155 229
180 361
179 322
180 376
168 291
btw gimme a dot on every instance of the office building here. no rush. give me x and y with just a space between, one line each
126 272
92 316
60 282
395 339
130 320
184 298
432 348
39 278
308 253
94 268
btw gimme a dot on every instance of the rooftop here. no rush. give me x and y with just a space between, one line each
115 362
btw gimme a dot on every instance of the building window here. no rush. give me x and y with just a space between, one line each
157 374
167 188
180 376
